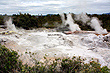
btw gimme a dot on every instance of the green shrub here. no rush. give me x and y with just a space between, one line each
8 59
9 63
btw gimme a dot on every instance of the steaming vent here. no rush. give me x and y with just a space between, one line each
10 25
43 41
69 27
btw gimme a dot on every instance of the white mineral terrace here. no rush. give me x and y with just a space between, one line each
40 42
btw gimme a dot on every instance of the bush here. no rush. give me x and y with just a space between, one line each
8 59
9 63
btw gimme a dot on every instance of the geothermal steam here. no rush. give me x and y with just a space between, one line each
93 22
51 43
96 25
82 17
62 18
72 26
10 26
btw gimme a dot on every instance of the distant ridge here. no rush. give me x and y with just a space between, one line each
103 13
107 13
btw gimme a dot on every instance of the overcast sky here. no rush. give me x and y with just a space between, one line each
54 6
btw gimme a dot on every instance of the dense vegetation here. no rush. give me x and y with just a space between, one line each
28 21
1 20
9 63
8 60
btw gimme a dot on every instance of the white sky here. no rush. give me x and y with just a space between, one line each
54 6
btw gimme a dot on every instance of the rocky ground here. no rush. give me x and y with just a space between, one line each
35 44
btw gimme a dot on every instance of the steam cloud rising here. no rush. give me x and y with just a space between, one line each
72 26
10 26
96 25
93 22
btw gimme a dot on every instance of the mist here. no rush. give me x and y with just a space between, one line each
69 22
96 25
10 25
93 22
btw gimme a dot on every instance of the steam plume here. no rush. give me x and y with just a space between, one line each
93 22
96 25
10 26
72 26
62 18
82 17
